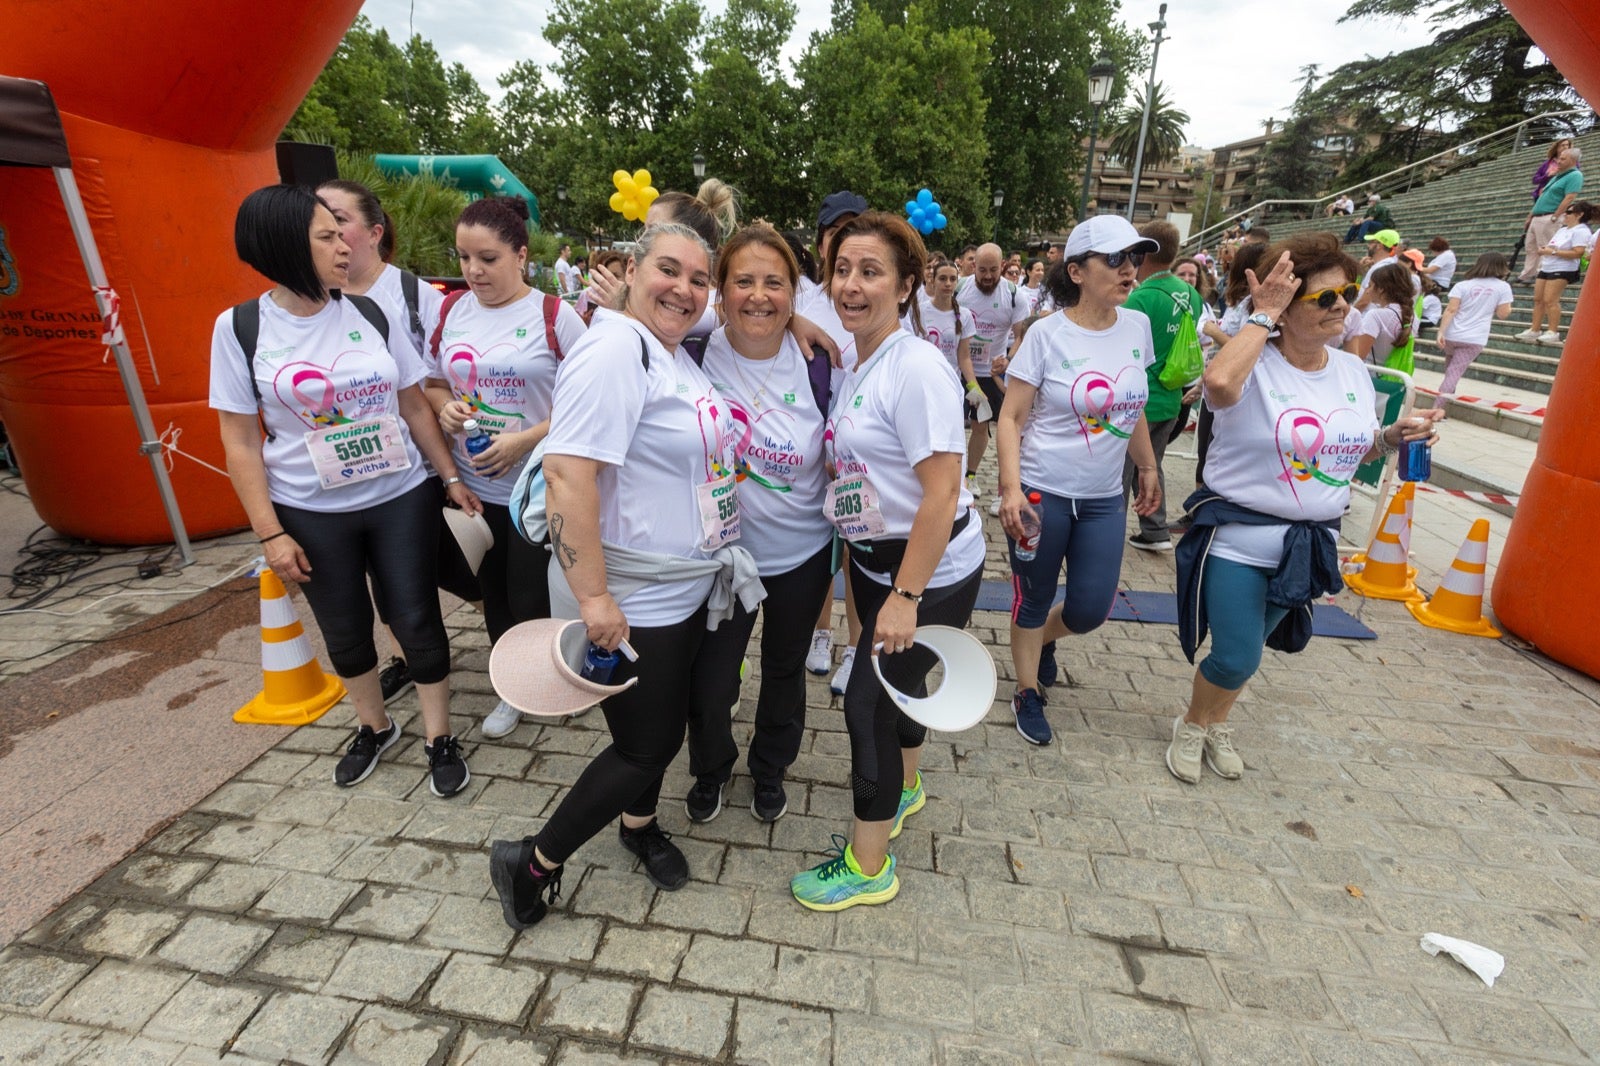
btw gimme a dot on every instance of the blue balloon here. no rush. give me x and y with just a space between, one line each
927 226
924 197
940 221
911 205
934 208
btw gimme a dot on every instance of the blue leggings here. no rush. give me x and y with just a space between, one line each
1240 618
1087 535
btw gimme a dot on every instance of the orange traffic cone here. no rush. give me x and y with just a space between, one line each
294 690
1458 605
1386 575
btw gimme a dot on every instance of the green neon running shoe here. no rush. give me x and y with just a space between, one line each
912 800
839 883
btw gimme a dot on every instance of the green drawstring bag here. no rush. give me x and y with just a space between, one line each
1403 358
1185 362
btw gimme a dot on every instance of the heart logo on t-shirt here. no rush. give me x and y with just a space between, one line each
311 391
1094 397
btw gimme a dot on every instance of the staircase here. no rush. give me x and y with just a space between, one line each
1480 209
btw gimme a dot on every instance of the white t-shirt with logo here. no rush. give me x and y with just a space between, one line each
1289 448
1382 324
812 301
1032 294
900 408
1446 262
782 479
1565 238
391 297
995 312
940 329
1478 298
1092 389
330 369
660 434
498 360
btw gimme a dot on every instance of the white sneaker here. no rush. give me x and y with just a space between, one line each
1527 335
1549 336
821 656
501 721
841 679
994 508
973 486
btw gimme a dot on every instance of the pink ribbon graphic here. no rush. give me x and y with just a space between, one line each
468 385
1300 461
317 405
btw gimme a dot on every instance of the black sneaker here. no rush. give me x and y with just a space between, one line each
1151 544
447 770
664 864
704 801
394 679
521 883
770 803
1049 673
1031 722
361 757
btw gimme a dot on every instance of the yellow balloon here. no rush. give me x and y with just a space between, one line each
641 178
629 189
618 177
618 202
630 211
647 196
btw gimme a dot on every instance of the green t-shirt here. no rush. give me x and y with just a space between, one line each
1557 190
1162 299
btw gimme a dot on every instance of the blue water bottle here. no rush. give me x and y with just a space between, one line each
477 439
1416 460
598 664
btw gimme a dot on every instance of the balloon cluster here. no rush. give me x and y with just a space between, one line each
924 213
634 194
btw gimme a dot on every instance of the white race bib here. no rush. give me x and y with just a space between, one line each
719 512
494 425
852 507
357 451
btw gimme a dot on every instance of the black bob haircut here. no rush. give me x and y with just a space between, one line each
272 233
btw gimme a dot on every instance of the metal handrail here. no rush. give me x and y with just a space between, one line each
1197 239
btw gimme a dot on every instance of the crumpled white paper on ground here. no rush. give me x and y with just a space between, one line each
1480 960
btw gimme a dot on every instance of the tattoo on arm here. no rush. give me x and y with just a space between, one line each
566 554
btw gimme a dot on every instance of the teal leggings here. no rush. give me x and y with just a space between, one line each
1240 619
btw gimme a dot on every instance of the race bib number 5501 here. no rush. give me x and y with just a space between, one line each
357 451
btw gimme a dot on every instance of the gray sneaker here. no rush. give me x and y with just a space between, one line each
501 722
1184 753
1220 754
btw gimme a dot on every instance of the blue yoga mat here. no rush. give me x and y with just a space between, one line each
1161 608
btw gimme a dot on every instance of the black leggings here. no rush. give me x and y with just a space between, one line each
647 723
399 541
794 599
878 728
454 575
513 576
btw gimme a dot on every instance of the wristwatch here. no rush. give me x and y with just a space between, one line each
1263 320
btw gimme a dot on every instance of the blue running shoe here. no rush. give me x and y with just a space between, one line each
912 800
1049 673
1028 706
839 883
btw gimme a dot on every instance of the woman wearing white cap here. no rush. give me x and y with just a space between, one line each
1075 412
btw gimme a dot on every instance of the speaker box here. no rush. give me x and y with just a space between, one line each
306 164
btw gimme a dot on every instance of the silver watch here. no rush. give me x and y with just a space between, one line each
1262 319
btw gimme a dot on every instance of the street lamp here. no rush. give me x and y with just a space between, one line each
699 164
999 198
1101 77
1149 98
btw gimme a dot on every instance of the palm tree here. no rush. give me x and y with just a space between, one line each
1165 138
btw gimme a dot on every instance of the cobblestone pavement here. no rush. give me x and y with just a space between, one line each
1073 903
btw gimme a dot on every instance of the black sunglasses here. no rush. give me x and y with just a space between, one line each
1114 260
1326 298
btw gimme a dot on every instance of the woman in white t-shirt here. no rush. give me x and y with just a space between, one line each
1442 269
778 401
949 327
1033 281
894 441
491 360
1294 419
413 306
1558 267
1388 321
337 488
640 461
1478 299
1079 383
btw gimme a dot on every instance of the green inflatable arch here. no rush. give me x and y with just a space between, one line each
476 175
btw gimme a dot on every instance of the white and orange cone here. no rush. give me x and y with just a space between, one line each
1458 604
1386 573
294 690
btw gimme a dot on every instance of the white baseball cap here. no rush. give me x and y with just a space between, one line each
1106 234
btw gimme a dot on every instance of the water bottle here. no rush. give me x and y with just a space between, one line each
598 664
1416 460
1028 546
477 439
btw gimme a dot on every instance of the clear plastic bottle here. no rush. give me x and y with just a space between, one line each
477 439
1028 546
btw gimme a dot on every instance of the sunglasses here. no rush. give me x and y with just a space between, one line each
1114 260
1326 298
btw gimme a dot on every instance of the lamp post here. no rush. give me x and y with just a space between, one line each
1101 77
699 164
1149 98
999 199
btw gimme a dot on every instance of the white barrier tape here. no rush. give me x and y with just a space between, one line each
277 613
169 447
288 655
1497 498
111 333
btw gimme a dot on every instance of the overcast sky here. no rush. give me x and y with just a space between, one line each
1228 63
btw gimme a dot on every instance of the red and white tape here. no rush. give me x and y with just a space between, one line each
1509 406
111 320
1499 499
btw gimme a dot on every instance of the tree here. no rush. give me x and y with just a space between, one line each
1294 164
1163 141
423 211
890 109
